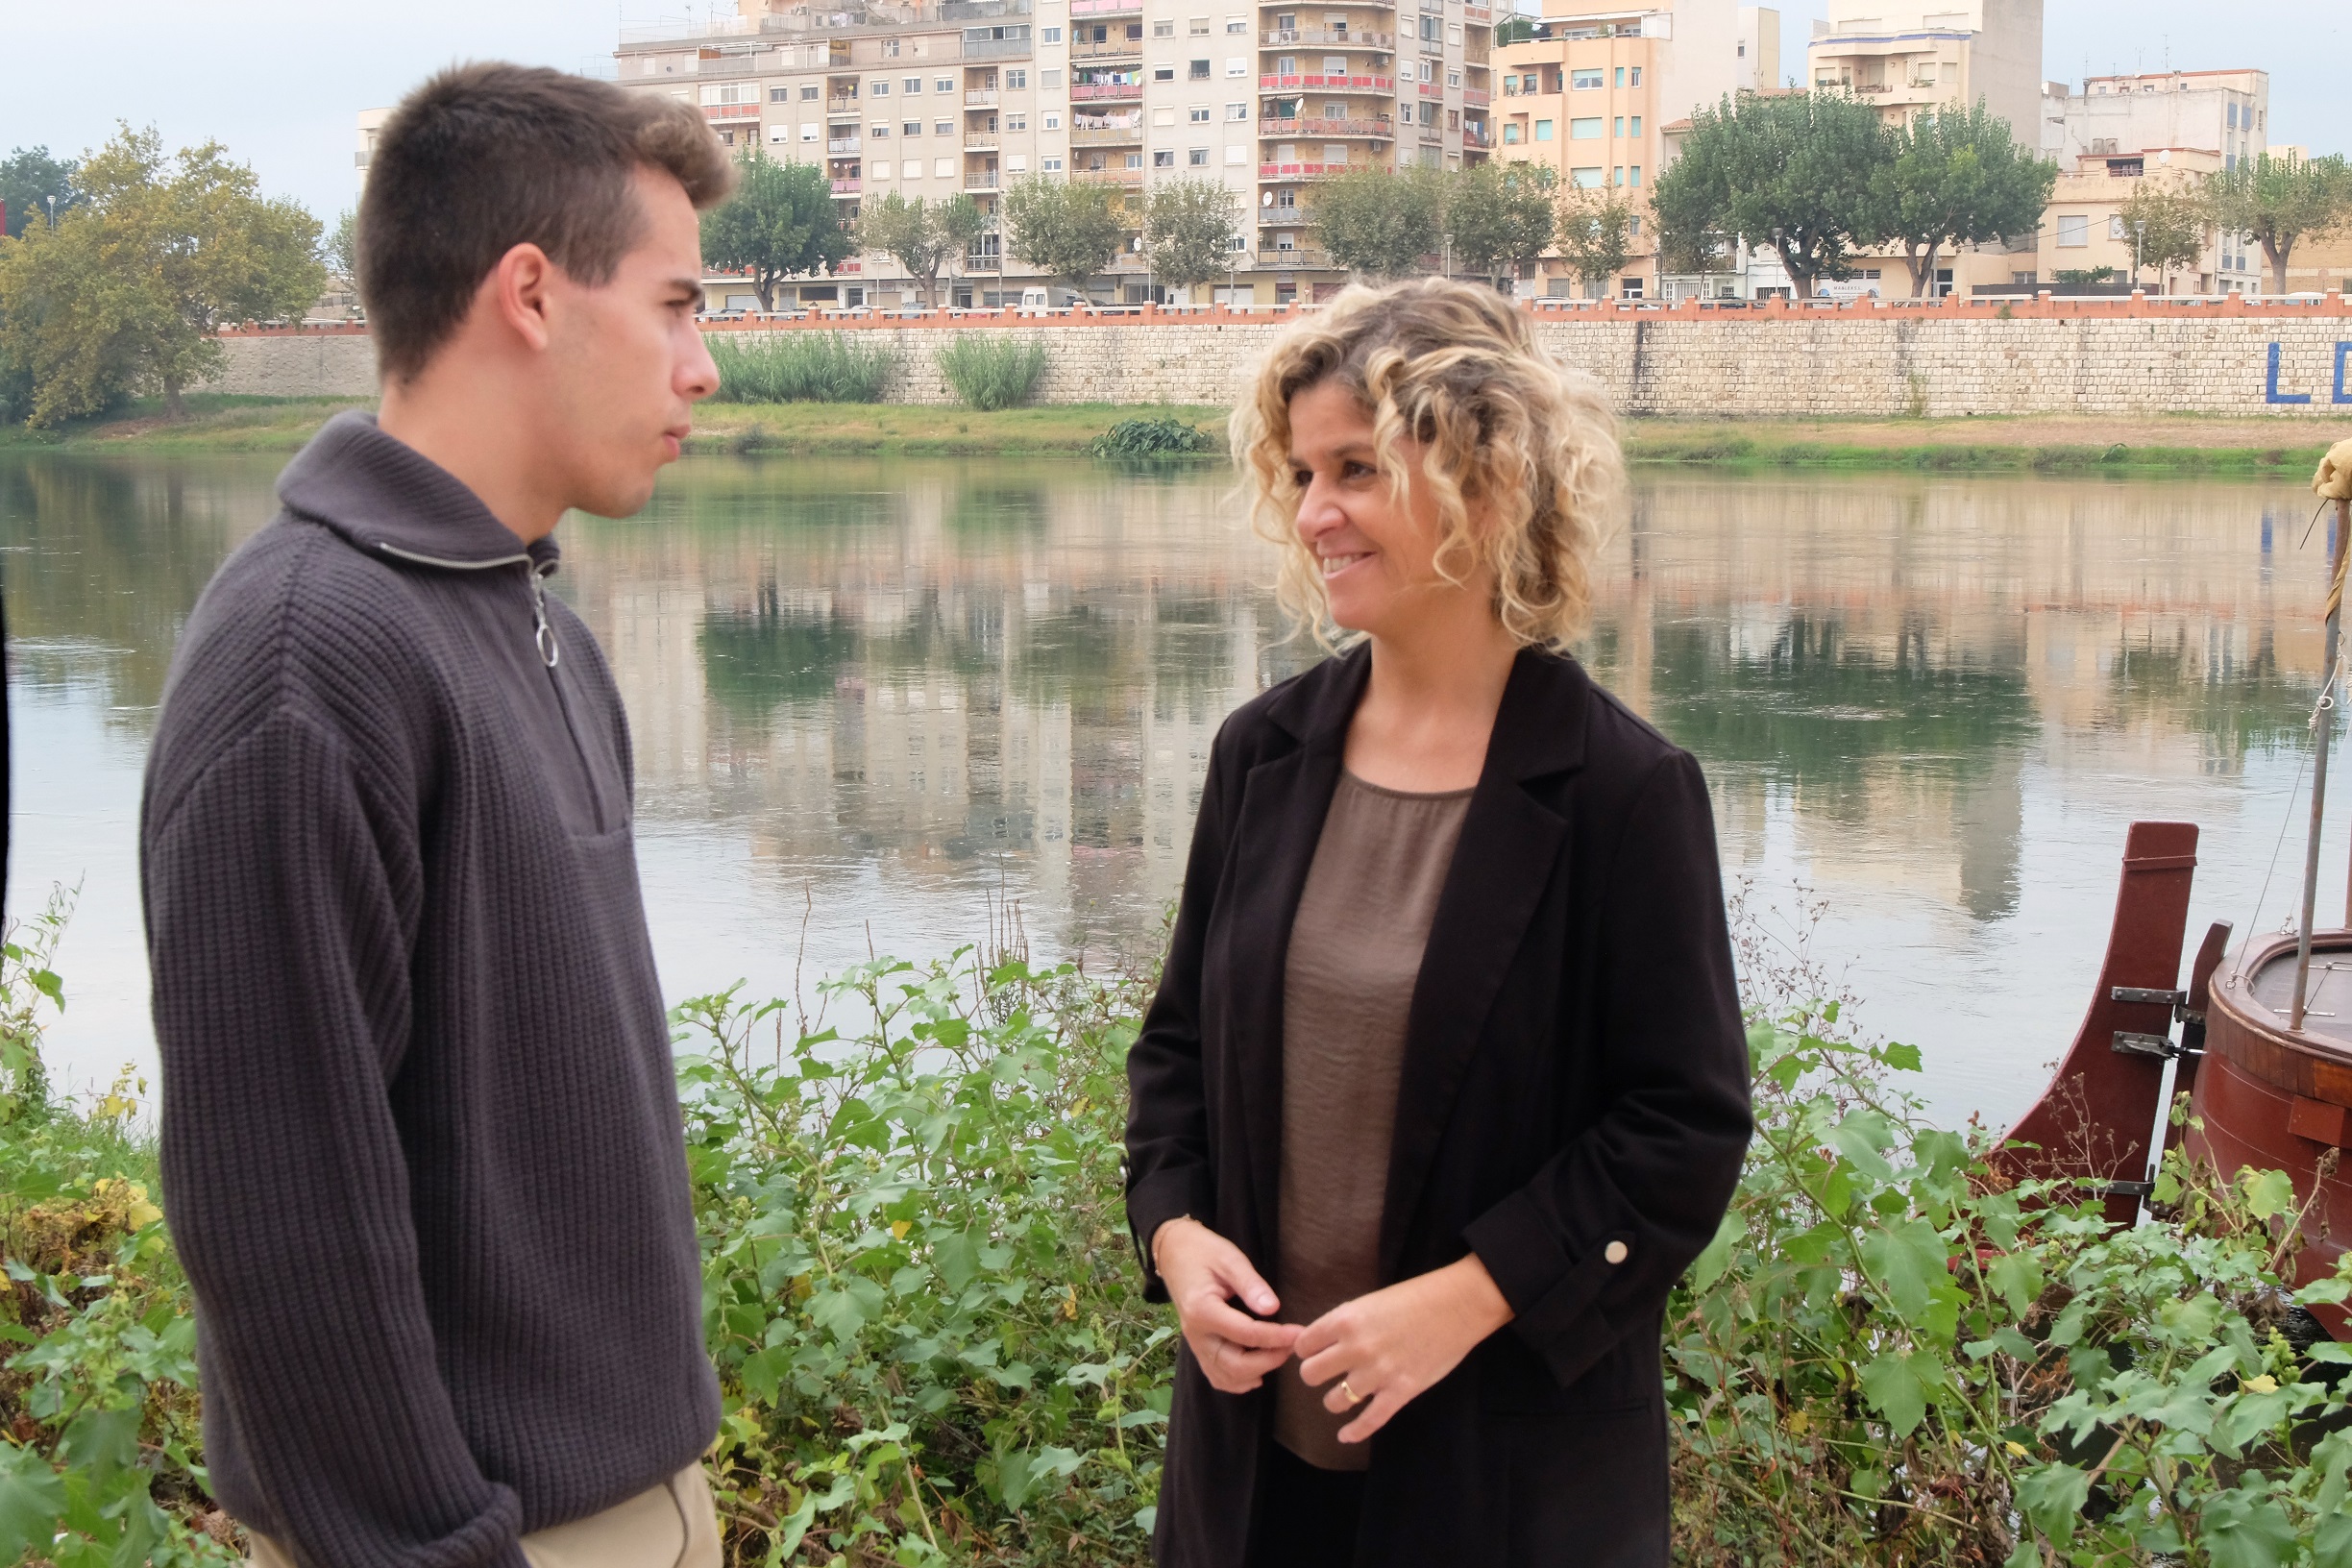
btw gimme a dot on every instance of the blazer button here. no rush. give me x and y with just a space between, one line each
1614 1252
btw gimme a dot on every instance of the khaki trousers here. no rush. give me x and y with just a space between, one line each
671 1526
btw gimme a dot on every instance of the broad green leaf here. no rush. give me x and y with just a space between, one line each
1910 1258
2052 1498
956 1257
1896 1388
2245 1528
102 1442
31 1500
2332 1541
1860 1137
1709 1265
2267 1193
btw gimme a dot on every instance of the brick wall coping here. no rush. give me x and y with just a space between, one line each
2044 306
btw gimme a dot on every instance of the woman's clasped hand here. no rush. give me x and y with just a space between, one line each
1372 1354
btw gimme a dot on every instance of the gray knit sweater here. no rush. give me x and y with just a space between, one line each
422 1152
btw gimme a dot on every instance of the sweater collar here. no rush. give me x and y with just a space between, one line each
385 497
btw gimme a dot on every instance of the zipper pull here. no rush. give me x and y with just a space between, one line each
543 635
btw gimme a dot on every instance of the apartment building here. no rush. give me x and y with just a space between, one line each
1591 94
1906 57
966 96
2227 114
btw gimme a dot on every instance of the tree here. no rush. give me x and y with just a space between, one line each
341 248
923 237
1499 215
1792 171
1956 177
782 222
1514 29
1066 229
28 179
121 296
1189 232
2277 202
1379 220
1596 233
2168 230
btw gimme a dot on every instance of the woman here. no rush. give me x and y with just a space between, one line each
1445 1084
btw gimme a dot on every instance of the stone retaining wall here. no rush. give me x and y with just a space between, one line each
2112 357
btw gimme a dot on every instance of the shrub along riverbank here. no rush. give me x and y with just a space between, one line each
921 1297
2138 447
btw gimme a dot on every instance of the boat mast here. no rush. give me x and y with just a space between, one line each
2323 729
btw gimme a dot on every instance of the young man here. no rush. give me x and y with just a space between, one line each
421 1151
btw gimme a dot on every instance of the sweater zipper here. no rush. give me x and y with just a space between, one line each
542 639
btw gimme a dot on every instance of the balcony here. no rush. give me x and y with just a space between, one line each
985 143
849 187
837 108
1110 49
1306 171
1327 84
984 98
1334 38
1376 130
1106 8
1095 92
997 49
730 112
1478 96
1482 16
1117 178
1107 136
839 145
984 179
1292 258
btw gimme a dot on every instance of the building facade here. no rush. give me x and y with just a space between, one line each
1908 57
952 97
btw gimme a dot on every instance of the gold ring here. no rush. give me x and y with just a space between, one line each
1353 1397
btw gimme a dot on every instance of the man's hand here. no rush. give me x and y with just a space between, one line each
1380 1351
1205 1273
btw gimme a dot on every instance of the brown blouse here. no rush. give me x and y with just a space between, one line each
1354 954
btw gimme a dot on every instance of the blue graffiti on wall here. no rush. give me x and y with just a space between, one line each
2343 390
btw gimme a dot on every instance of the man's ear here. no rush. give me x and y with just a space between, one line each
517 294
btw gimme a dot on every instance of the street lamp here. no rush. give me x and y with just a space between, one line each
53 210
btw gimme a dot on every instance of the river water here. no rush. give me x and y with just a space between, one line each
879 703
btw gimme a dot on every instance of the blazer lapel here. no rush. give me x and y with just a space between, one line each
1283 802
1507 854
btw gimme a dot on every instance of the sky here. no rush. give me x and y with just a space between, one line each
279 83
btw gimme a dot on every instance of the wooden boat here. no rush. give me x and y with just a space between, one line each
2261 1042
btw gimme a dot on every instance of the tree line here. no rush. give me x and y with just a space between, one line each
1819 180
116 295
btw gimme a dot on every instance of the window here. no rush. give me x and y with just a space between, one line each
942 84
1163 116
1053 122
880 89
1197 28
1051 165
1285 66
1017 164
808 94
912 128
2232 117
1018 122
1618 177
1016 81
1585 179
1164 160
1637 179
1163 73
1197 71
1197 158
1527 83
1165 28
1052 35
2114 227
2073 228
779 132
1236 26
1050 79
1429 29
730 92
1543 129
890 48
1621 69
1617 125
1237 155
780 95
1587 128
1135 160
943 168
1198 113
882 170
1237 112
881 132
1584 80
1429 71
1510 134
1637 76
942 127
808 133
1638 125
911 87
1334 64
1335 152
1453 79
1237 65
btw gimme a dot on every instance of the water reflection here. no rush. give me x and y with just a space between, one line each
872 699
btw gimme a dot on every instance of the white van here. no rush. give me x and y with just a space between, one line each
1036 300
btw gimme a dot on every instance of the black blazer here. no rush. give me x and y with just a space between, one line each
1575 1074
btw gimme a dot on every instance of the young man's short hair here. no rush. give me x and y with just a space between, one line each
484 157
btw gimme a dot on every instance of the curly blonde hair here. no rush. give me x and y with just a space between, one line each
1501 426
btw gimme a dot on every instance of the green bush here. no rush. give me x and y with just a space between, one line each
991 373
933 1347
799 367
1160 436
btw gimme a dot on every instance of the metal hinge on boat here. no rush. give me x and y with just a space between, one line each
2129 1190
2135 1043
